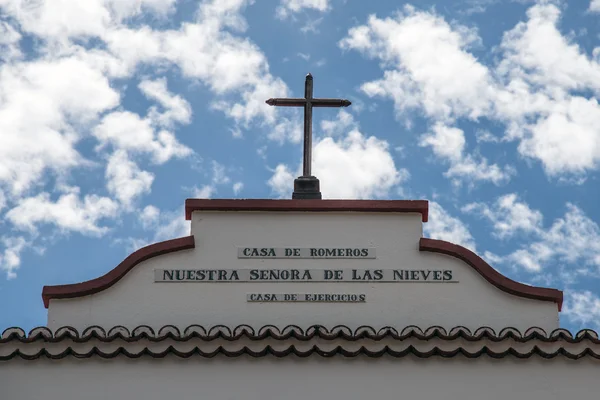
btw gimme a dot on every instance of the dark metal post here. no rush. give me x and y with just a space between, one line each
308 95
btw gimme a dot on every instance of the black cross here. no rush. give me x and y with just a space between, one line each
304 186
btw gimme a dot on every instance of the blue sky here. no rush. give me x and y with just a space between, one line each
112 113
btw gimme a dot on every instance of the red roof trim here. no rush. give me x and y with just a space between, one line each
104 282
398 206
490 274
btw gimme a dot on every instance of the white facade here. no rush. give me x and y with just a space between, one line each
294 379
138 300
197 339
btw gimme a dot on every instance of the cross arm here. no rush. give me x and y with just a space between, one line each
330 103
291 102
300 102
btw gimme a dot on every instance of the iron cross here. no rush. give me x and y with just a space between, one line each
308 102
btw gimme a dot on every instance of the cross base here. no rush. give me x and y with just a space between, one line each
306 187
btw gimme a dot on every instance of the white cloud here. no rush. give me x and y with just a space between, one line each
282 181
237 188
39 112
443 226
343 122
166 147
582 308
492 258
166 225
42 103
575 237
532 259
311 25
479 6
290 7
429 68
486 136
204 192
537 52
508 216
72 82
176 108
534 88
150 216
426 63
355 167
70 18
68 213
163 225
449 143
128 131
567 139
540 68
51 104
10 257
287 129
473 170
227 64
219 176
594 6
446 142
125 180
572 241
172 225
9 42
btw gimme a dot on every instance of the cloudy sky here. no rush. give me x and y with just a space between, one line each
112 112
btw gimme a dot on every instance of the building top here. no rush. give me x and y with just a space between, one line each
304 262
312 205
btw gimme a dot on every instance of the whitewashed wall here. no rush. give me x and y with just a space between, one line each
300 379
137 299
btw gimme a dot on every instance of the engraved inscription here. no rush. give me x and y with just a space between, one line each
304 275
306 252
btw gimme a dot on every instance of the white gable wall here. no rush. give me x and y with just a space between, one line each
292 378
138 300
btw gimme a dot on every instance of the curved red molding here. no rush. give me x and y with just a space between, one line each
400 206
490 274
113 276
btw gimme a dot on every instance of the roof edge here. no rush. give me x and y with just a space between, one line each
113 276
230 332
399 206
490 274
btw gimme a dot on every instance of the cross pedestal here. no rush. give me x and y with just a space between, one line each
306 187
